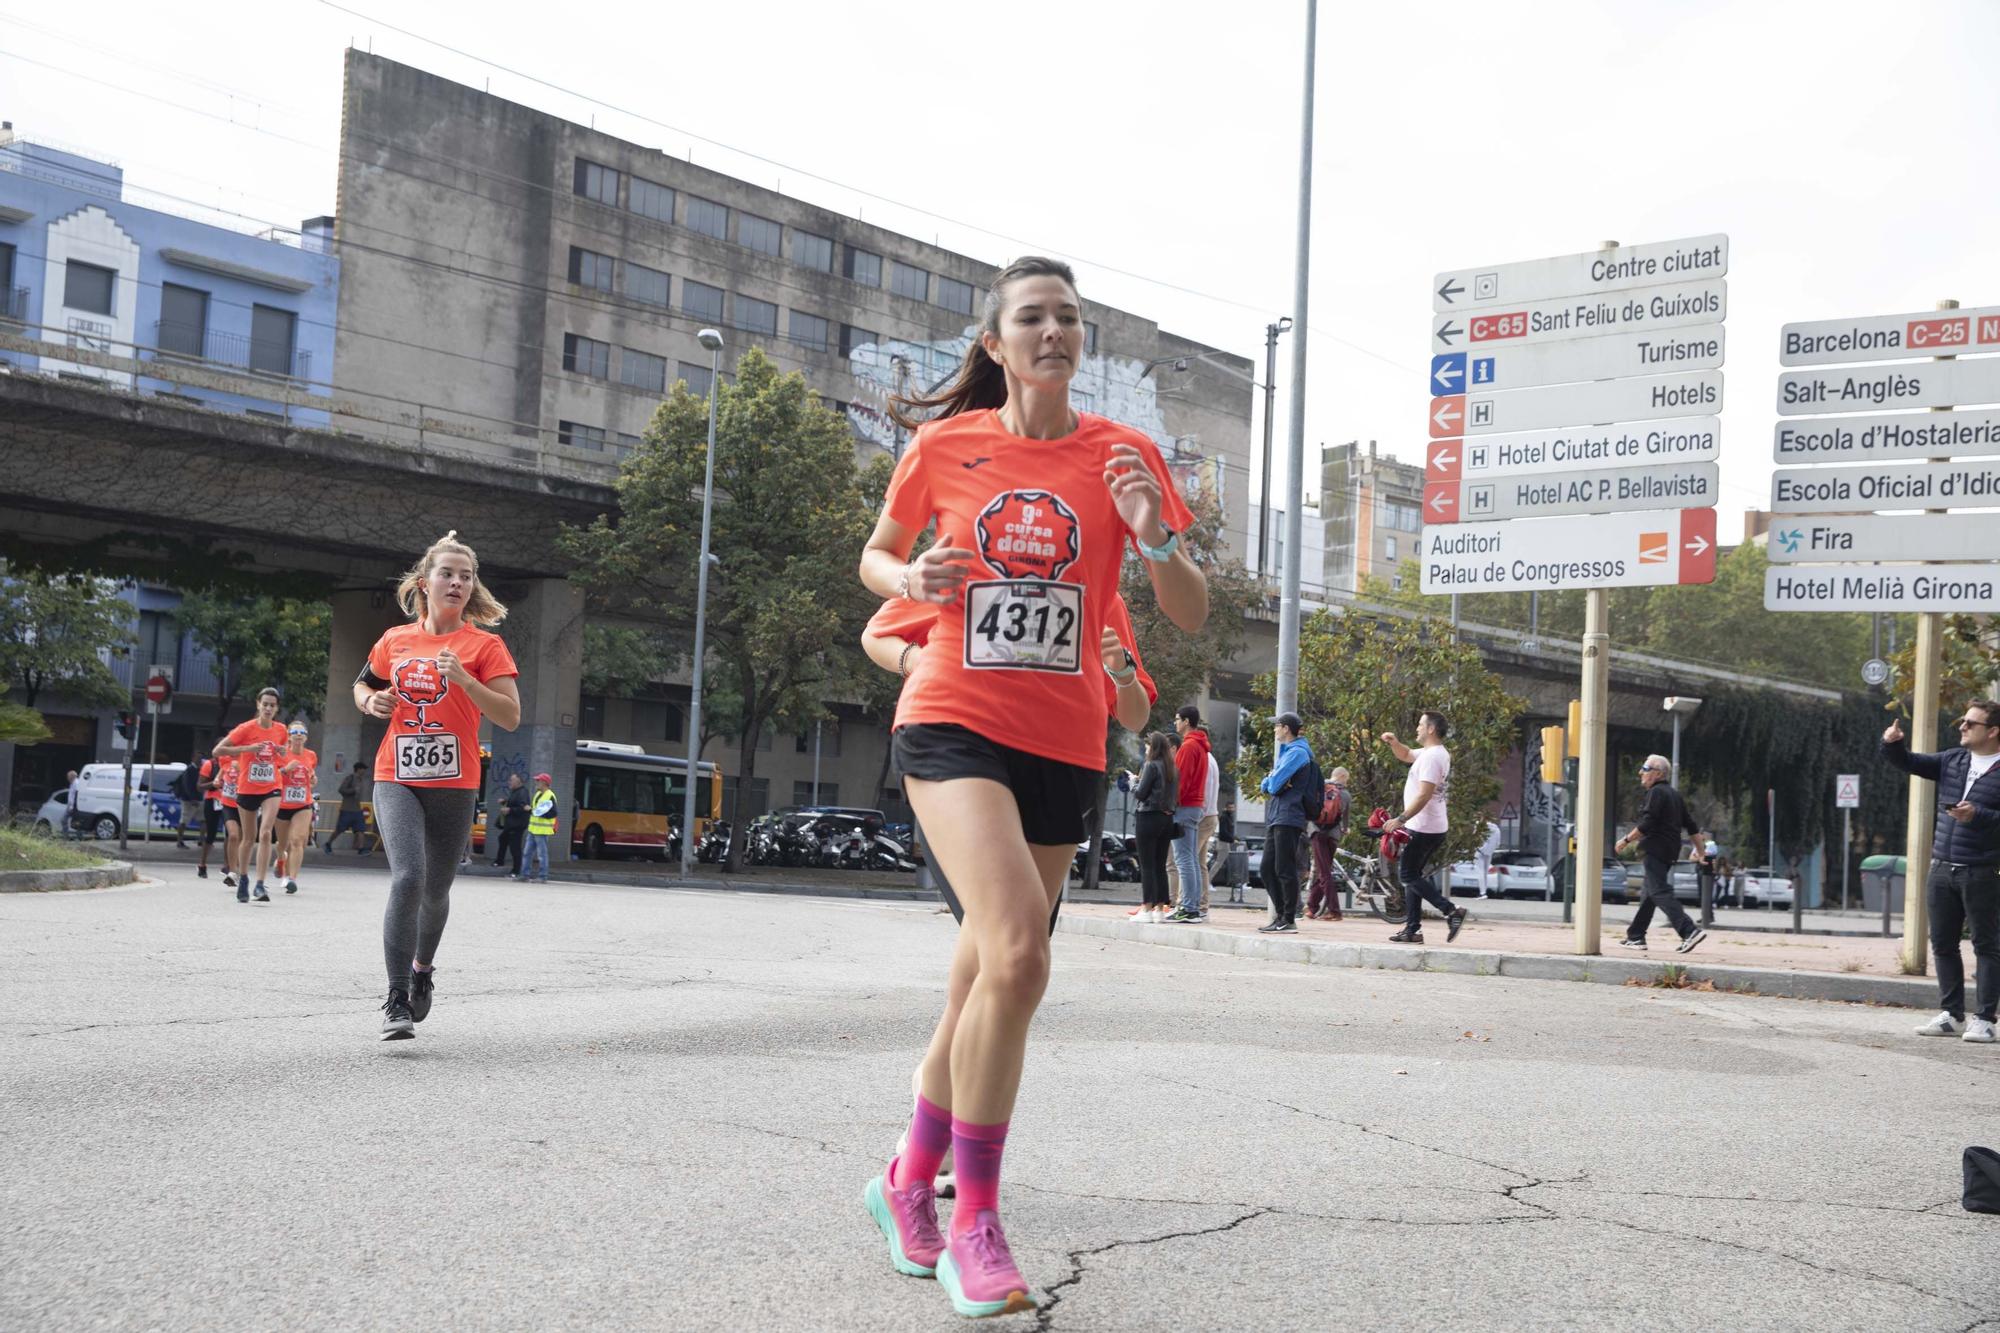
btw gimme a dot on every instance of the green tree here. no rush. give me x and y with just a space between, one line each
281 642
20 725
55 632
620 660
1968 667
791 514
1361 675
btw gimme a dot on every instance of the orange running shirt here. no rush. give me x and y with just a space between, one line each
901 618
257 772
1015 657
225 795
295 777
433 736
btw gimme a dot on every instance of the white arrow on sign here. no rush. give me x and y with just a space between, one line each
1440 503
1884 588
1929 384
1650 398
1591 491
1878 537
1648 308
1446 416
1890 435
1584 551
1651 265
1824 342
1830 490
1610 357
1694 440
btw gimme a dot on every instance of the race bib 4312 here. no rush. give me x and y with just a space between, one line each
1024 625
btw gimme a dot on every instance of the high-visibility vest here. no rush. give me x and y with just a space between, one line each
542 814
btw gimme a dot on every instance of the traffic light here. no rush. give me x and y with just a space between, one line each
128 724
1552 754
1575 750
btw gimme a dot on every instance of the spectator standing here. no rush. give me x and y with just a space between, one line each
351 819
513 824
1204 832
1425 818
187 790
1963 887
69 815
541 824
1225 843
1154 797
1483 858
1324 903
1663 818
1285 822
1184 877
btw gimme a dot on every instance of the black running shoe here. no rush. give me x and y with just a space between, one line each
201 872
1285 928
1270 928
1453 924
228 880
260 895
1407 936
291 885
397 1022
1695 936
420 994
242 893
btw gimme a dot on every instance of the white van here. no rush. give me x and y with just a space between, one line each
102 807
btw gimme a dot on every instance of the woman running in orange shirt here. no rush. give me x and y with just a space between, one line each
253 746
999 734
298 773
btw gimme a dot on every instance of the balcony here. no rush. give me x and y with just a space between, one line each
14 304
195 344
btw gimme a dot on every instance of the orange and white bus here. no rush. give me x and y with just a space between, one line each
624 797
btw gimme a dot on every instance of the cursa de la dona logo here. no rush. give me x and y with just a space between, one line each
1029 535
419 683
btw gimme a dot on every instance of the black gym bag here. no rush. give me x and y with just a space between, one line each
1982 1180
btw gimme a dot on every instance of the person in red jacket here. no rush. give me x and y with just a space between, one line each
1192 759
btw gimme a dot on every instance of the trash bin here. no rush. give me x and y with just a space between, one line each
1880 875
1235 870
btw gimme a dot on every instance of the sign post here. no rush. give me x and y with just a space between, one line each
159 699
1573 445
1846 795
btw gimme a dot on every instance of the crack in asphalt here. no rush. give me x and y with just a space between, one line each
1052 1295
1927 1210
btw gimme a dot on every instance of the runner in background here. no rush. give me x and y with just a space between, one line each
255 745
999 734
431 681
211 817
232 829
298 775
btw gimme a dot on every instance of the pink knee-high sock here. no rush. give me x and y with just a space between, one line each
930 1137
976 1149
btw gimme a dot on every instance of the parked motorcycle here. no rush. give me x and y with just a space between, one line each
713 849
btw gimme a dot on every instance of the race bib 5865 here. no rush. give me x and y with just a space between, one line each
426 758
1024 624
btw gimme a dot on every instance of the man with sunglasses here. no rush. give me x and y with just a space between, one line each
1964 882
1663 819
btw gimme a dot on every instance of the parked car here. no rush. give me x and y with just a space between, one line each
1464 877
1520 875
1616 881
1685 880
1761 888
103 807
1255 877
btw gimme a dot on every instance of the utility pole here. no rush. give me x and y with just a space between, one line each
1271 332
1288 607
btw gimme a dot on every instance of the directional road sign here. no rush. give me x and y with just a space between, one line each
1871 537
1884 588
1591 491
1824 342
1874 671
1890 435
1855 389
1650 397
1578 359
1696 440
1847 791
1645 310
1824 490
1587 551
1651 265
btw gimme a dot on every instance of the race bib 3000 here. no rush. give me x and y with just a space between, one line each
1024 625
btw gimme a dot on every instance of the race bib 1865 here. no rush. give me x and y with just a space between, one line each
426 758
1024 625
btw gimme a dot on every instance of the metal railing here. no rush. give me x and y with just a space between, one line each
193 342
14 303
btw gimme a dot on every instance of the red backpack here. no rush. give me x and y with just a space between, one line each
1332 807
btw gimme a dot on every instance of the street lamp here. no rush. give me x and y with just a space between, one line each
1680 705
712 340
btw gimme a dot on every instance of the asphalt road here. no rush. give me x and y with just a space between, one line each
638 1108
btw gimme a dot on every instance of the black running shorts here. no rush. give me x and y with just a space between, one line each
252 803
950 896
1054 798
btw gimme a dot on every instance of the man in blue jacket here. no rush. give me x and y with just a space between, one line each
1285 824
1964 882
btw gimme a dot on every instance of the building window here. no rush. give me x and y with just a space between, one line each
587 268
810 251
654 720
701 300
159 637
760 234
697 378
708 218
652 201
909 280
1400 517
1396 581
1089 338
7 269
829 794
596 182
626 444
647 284
579 436
810 331
853 336
862 266
1389 548
590 716
829 739
954 295
754 316
271 334
183 321
642 370
586 356
89 287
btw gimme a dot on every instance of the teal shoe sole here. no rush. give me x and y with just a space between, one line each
878 1208
1016 1302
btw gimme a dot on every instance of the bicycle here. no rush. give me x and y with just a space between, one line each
1368 882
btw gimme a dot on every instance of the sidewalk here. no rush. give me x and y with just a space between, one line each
1815 967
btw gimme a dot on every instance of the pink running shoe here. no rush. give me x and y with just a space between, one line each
978 1271
908 1219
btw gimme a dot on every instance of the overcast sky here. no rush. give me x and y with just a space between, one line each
1845 146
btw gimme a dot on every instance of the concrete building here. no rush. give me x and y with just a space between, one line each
512 274
213 313
1373 510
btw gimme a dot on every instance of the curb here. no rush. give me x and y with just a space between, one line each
912 895
55 881
1914 993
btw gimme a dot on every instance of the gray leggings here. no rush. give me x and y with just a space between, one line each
423 830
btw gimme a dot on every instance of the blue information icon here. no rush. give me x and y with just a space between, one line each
1447 374
1482 370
